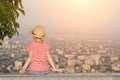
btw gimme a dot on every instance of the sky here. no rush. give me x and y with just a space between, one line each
87 17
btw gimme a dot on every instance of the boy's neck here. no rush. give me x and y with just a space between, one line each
38 40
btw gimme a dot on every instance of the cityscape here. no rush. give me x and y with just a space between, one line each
71 54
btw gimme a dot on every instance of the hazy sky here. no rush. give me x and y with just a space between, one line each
73 16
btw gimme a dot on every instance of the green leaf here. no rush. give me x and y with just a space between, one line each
9 12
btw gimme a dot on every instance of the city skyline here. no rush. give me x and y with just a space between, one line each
74 56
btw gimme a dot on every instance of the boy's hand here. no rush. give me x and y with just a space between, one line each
22 71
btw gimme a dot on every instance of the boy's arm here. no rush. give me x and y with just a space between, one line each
50 60
27 62
52 63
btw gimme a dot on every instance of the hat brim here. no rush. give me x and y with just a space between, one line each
34 35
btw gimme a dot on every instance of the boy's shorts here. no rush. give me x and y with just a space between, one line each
37 72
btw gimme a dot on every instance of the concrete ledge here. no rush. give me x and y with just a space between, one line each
63 76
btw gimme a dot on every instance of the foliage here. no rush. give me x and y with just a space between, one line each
9 12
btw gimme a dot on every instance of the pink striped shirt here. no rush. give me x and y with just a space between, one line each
38 62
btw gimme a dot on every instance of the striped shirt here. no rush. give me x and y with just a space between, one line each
38 62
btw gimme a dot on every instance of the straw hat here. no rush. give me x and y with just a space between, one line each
38 32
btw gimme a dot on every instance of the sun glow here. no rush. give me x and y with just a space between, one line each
81 2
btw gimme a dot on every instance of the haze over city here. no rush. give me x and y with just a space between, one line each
83 36
82 17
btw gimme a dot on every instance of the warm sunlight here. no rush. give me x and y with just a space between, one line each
81 2
75 16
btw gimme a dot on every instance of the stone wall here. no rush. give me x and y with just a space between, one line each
75 76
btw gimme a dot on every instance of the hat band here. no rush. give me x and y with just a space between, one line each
36 36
